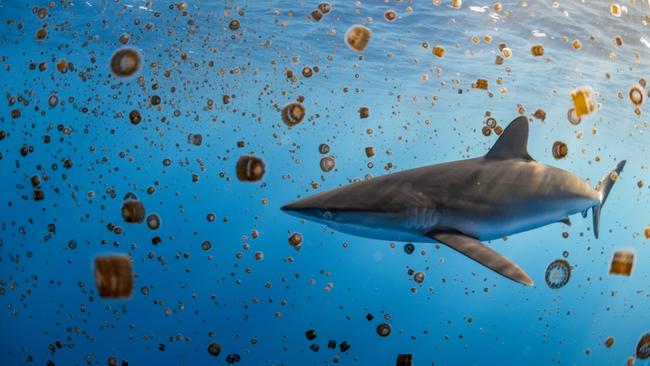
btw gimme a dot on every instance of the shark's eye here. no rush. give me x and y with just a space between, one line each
328 215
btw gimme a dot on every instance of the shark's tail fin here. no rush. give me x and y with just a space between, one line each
603 187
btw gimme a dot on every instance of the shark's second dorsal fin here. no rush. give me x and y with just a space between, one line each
513 142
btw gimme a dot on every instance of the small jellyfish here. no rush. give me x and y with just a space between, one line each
383 330
537 50
310 334
609 342
622 263
583 101
250 168
540 114
481 84
636 95
486 131
135 117
323 148
293 113
573 117
643 347
390 15
234 25
133 211
418 277
560 150
357 37
324 7
615 10
409 248
206 245
195 139
214 349
558 273
344 346
438 51
456 4
153 221
126 62
114 276
370 151
295 240
364 112
327 164
307 72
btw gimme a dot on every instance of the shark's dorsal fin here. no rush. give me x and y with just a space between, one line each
513 142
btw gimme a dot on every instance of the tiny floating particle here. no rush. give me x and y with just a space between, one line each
126 62
622 263
293 113
344 346
558 273
295 240
537 50
409 248
357 37
327 164
615 10
609 342
486 130
418 277
214 349
323 148
576 44
646 232
250 168
540 114
383 330
325 7
405 359
583 101
195 139
560 150
390 15
643 347
507 52
133 211
370 151
307 72
233 358
114 276
456 4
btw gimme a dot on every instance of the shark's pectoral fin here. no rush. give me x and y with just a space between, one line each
566 221
483 254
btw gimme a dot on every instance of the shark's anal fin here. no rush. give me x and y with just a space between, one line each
566 221
483 254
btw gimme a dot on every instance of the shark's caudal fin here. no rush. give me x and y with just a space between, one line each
603 187
513 142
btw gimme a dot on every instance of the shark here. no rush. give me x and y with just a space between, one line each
462 203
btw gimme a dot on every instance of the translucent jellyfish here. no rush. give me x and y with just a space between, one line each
558 273
636 95
583 101
383 330
214 349
126 62
114 276
293 113
327 164
573 117
323 148
310 334
133 211
537 50
250 168
135 117
560 150
390 15
153 221
357 37
622 263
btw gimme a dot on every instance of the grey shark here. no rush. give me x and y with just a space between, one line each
461 203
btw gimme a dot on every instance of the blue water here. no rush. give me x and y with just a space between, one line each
463 313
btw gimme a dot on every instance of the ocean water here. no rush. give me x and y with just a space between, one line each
422 110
